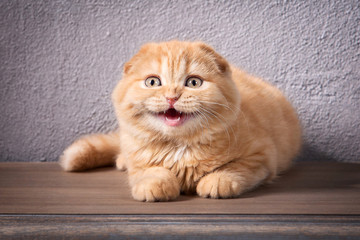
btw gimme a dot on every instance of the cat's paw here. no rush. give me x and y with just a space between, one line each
121 163
220 185
152 189
156 184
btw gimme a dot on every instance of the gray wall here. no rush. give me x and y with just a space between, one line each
61 59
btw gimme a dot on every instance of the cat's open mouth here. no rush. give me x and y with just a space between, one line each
172 117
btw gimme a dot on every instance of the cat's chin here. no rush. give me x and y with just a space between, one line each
173 118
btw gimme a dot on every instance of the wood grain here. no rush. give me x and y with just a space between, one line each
179 227
309 188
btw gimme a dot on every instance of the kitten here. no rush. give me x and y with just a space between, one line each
190 122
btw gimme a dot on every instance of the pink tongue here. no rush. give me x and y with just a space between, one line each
173 118
172 114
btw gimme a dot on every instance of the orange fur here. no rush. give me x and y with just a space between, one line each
242 131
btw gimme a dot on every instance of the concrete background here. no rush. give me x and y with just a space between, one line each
61 59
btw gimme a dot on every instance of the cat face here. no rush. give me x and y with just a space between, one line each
176 89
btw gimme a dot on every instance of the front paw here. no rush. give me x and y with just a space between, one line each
220 185
151 189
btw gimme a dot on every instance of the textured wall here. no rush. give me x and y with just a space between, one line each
61 59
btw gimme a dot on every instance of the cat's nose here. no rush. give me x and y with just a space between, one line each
172 101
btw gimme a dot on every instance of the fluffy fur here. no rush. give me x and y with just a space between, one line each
231 134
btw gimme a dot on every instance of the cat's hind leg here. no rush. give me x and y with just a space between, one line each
121 162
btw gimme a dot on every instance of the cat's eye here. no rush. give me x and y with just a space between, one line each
152 82
193 82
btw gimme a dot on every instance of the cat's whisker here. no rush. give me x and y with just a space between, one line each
225 125
245 120
237 108
202 116
229 125
226 122
228 104
223 105
228 107
201 126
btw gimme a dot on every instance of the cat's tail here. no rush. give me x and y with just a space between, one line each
91 151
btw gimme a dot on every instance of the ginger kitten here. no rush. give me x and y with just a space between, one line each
191 122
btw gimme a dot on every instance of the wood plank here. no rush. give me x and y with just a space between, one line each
179 227
42 188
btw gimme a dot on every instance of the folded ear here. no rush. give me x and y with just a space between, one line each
127 67
143 50
221 63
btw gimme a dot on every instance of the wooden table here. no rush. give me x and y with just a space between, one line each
313 199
